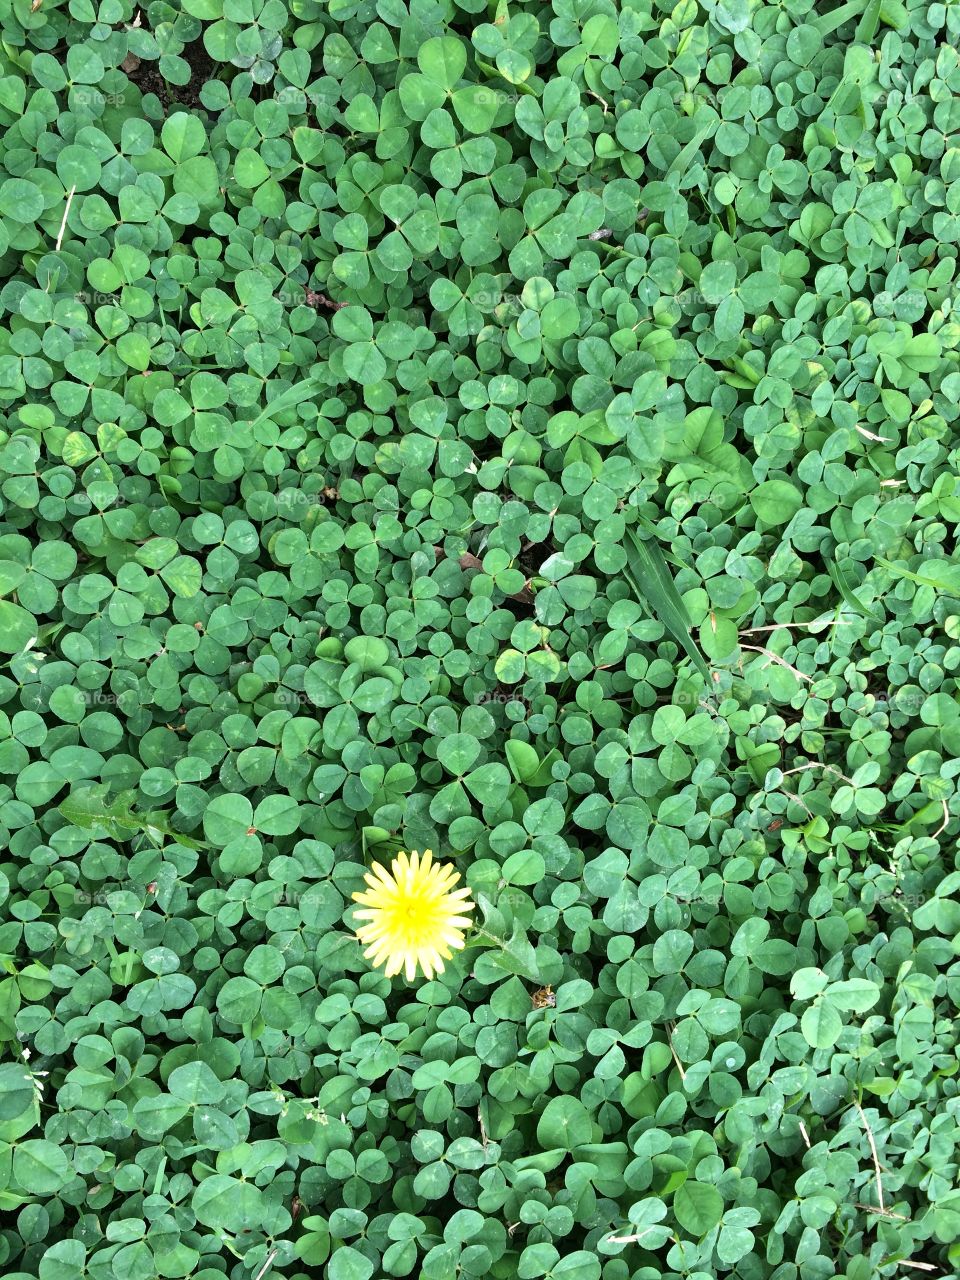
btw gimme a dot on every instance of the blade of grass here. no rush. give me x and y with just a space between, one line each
651 580
869 23
288 399
942 575
684 158
839 580
827 23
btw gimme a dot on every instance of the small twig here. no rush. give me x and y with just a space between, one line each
804 1134
314 299
797 799
883 1213
683 1074
602 101
921 1266
775 657
802 768
873 1151
943 825
483 1130
785 626
869 435
66 214
267 1265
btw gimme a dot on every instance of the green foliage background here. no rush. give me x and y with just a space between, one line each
529 432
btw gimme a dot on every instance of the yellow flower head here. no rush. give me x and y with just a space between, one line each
413 915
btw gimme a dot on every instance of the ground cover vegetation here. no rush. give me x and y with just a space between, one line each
526 432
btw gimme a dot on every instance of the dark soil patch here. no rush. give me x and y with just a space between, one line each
532 556
148 79
522 604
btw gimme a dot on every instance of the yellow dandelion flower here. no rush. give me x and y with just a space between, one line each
413 915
